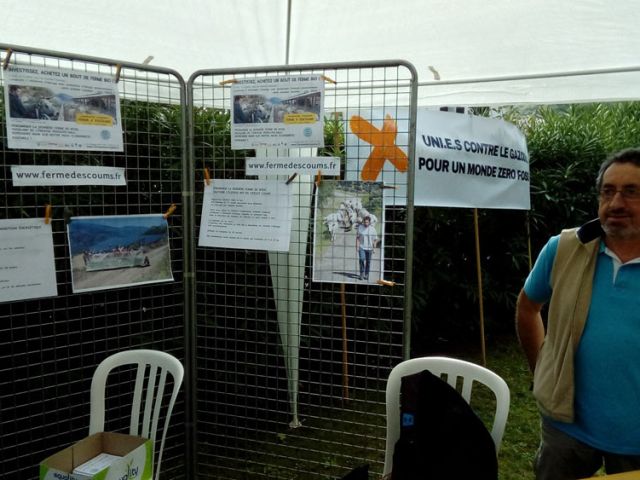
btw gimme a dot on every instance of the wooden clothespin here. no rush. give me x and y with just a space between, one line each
392 187
228 82
386 283
318 178
436 74
118 70
171 209
207 176
291 178
47 214
5 64
328 80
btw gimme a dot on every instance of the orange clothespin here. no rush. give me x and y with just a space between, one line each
5 64
386 283
291 178
329 80
171 209
47 214
228 82
207 177
318 178
118 69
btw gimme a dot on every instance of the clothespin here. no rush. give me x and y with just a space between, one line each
392 187
295 174
436 74
386 283
327 79
47 214
228 82
207 177
5 64
171 209
318 178
118 69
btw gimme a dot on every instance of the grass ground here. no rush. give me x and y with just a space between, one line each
522 431
338 438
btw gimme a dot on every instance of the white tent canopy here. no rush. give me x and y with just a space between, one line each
554 51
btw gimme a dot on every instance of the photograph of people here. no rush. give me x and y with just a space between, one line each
117 251
17 108
348 214
38 103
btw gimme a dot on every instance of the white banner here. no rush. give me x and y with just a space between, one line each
58 109
59 175
328 166
461 160
27 265
468 161
246 214
283 111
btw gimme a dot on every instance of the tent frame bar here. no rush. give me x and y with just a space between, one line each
537 76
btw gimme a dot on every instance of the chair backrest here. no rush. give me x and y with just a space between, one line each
452 369
151 378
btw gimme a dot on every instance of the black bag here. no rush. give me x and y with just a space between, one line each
440 435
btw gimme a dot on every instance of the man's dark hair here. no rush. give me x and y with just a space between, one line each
13 88
629 155
367 218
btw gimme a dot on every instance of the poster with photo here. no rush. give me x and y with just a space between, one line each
27 263
348 232
59 109
284 111
118 251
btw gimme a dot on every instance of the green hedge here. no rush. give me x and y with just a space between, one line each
566 146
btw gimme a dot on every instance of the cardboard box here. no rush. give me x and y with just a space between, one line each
136 462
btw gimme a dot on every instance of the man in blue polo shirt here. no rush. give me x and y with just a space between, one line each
586 356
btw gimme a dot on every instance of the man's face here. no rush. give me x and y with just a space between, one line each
366 222
620 217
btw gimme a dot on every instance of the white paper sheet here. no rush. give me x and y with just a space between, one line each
27 266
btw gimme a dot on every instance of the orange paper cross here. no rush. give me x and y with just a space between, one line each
384 146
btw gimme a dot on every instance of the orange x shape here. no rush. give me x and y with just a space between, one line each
384 146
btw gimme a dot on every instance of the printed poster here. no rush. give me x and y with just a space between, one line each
58 109
27 262
348 232
246 214
118 251
283 111
460 161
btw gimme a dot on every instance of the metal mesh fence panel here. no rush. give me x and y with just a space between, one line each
49 347
351 334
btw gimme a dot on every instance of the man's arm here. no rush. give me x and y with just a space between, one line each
529 327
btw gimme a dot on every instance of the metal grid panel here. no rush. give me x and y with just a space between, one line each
49 347
243 409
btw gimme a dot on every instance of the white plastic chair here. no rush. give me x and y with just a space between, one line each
153 366
451 368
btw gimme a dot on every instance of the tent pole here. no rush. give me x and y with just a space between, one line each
288 39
